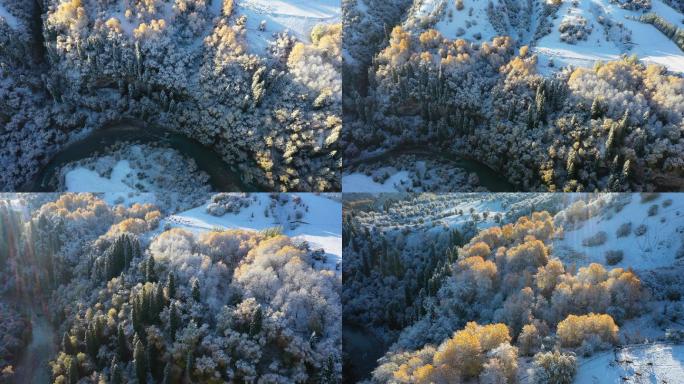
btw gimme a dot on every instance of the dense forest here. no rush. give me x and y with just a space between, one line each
497 289
614 125
131 302
69 68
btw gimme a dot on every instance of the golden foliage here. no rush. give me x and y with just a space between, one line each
575 329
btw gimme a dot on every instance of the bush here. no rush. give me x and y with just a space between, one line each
554 368
614 257
598 239
624 230
667 203
653 210
574 330
649 196
640 230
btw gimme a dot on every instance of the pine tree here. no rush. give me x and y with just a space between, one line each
255 324
91 343
167 374
196 290
140 362
171 286
67 346
610 142
530 117
596 109
540 103
122 345
174 321
159 302
188 366
115 376
149 271
72 371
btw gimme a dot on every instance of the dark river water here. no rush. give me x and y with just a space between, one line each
221 177
489 178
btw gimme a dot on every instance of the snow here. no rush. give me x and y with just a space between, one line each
321 226
449 27
114 189
9 18
656 248
649 44
358 182
650 363
297 17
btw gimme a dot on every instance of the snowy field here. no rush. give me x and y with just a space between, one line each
656 363
358 182
297 17
649 44
657 247
321 225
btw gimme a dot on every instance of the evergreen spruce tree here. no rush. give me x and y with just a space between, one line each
167 374
72 371
174 321
122 345
149 271
596 109
196 290
171 286
255 325
140 362
115 375
67 346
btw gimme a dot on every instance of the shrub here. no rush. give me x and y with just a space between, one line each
574 330
653 210
554 368
649 196
667 203
640 230
614 257
624 230
598 239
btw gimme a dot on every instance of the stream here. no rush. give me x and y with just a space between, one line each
490 179
221 177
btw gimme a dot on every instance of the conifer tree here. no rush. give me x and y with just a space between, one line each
140 362
122 345
196 290
115 376
72 371
171 286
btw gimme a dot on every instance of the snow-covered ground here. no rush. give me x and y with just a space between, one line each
358 182
650 363
321 225
649 44
657 247
604 43
297 17
8 17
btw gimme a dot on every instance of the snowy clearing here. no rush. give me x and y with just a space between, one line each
297 17
656 363
11 20
321 225
358 182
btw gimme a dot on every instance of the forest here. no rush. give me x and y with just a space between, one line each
119 293
513 288
267 102
491 84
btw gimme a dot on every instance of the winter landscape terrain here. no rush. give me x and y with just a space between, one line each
550 95
249 90
513 288
105 288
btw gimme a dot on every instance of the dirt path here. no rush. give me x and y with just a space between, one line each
33 365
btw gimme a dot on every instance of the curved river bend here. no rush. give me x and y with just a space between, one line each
221 177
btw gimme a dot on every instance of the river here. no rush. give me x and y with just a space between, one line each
490 179
221 177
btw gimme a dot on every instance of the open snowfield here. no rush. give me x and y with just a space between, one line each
654 363
297 17
655 248
321 226
649 44
358 182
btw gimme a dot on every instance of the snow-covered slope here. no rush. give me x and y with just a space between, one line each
609 30
297 17
604 42
320 225
657 247
655 363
